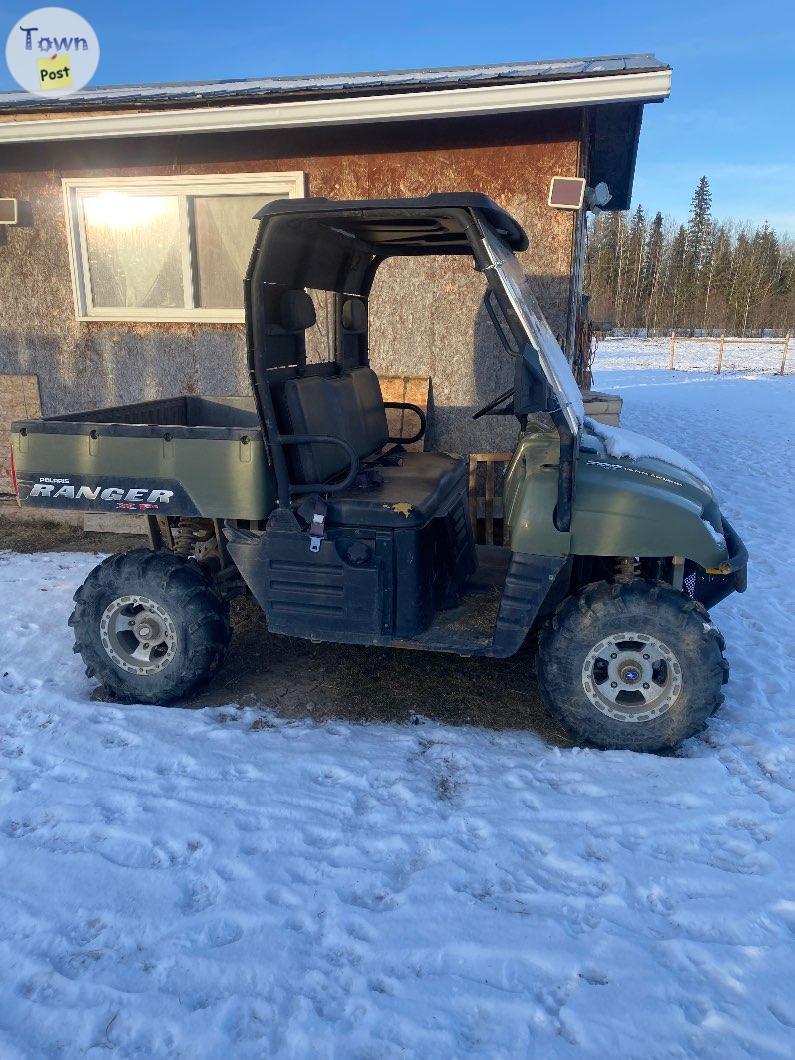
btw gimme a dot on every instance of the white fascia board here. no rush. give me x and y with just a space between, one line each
643 87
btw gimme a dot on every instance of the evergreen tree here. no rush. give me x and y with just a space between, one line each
678 271
719 275
651 276
636 245
699 223
704 274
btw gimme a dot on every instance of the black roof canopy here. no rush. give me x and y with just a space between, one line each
433 224
328 245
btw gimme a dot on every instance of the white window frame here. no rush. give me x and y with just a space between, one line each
290 185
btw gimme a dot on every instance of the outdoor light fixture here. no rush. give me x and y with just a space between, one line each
597 197
8 211
566 193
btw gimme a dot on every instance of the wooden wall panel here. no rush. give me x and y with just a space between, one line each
19 400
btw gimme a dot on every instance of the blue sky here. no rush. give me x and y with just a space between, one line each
731 114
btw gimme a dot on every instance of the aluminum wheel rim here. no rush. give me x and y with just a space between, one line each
632 677
138 635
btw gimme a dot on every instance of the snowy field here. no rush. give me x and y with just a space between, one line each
757 356
227 884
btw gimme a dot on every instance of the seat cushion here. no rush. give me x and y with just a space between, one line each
410 495
347 406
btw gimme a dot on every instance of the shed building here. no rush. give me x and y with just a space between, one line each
121 279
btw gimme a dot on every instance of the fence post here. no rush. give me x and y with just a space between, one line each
784 354
673 347
720 355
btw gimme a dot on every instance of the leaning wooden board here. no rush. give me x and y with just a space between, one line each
19 400
414 389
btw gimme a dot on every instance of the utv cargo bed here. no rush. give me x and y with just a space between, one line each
182 456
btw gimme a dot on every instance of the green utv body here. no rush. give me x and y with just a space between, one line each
299 496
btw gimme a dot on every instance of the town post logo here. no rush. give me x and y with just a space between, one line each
52 51
55 73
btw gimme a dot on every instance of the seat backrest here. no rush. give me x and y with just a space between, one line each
347 406
353 334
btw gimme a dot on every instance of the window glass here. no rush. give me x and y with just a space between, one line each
133 250
167 248
223 232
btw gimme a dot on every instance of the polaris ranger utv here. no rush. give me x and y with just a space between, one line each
302 498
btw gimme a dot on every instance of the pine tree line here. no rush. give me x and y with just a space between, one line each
716 276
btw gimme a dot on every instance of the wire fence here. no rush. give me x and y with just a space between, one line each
723 340
713 355
608 329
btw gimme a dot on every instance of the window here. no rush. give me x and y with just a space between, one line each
166 248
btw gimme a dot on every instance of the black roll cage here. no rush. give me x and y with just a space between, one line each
338 247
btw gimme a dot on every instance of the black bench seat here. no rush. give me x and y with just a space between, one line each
409 495
397 544
348 405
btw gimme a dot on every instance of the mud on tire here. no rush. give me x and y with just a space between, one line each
571 640
195 615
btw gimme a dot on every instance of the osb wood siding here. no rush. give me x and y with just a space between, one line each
426 316
19 400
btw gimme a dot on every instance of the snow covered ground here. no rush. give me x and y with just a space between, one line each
759 356
224 883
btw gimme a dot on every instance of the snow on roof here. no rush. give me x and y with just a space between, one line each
260 89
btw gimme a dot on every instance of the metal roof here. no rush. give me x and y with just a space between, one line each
318 86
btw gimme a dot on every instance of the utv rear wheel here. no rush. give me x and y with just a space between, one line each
631 665
150 626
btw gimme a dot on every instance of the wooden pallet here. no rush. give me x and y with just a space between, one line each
485 496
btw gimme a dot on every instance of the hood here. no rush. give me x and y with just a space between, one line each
648 456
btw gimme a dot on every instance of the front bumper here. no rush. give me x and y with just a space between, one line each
711 586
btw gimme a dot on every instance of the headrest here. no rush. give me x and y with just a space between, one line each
297 311
354 315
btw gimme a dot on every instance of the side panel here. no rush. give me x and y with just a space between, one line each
335 594
529 585
214 478
531 493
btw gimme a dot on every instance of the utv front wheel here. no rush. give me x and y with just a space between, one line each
150 626
632 666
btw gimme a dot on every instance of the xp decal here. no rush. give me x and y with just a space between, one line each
635 471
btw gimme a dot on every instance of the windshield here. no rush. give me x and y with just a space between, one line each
553 361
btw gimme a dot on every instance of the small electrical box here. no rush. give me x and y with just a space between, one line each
566 193
8 211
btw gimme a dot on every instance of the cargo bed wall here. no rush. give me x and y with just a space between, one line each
185 456
185 410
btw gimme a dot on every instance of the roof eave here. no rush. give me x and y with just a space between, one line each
646 86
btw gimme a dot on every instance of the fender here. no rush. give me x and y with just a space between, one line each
622 506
